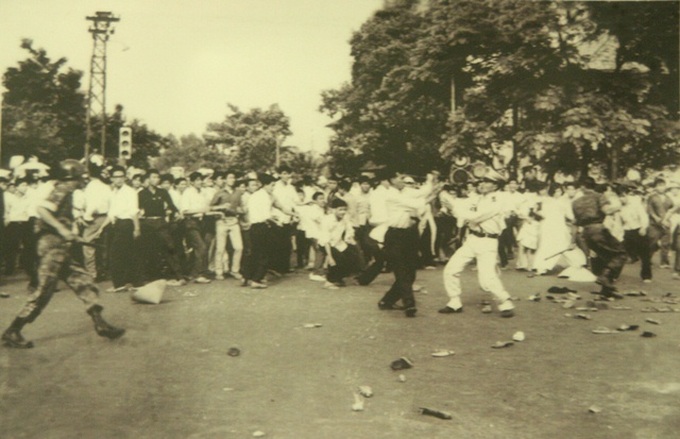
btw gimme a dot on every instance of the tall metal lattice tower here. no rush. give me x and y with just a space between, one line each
101 29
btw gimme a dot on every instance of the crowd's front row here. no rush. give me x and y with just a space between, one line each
211 226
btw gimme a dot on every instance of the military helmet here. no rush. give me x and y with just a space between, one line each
71 169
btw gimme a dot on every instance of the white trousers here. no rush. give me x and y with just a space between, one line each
224 232
485 251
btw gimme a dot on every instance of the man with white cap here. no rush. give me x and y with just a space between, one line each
485 223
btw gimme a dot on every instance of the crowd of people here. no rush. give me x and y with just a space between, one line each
86 226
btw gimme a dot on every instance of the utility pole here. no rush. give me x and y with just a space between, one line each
96 96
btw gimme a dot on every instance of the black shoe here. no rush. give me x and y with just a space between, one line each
103 328
449 310
13 339
410 312
383 306
507 313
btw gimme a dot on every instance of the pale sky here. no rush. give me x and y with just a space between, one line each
175 64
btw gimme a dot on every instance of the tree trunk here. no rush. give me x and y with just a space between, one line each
453 93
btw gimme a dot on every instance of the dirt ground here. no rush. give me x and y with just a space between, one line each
170 375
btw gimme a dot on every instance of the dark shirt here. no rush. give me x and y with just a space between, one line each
658 205
224 197
155 204
588 208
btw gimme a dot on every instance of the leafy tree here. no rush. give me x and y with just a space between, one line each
192 153
251 137
386 115
510 70
43 109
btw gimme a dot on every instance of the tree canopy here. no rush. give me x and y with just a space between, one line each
43 110
432 80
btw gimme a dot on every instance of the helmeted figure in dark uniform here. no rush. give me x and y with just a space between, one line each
590 211
55 238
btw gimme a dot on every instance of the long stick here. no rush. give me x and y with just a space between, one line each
559 253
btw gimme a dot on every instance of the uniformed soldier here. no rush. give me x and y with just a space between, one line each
55 237
485 223
590 211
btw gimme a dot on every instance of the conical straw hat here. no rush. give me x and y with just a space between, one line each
151 292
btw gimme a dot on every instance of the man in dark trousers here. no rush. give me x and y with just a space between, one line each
590 211
55 237
156 205
401 239
123 217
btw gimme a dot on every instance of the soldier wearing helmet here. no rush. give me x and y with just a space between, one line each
55 237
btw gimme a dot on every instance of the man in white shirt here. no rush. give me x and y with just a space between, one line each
17 231
123 217
97 195
485 226
260 215
337 239
377 225
401 239
286 196
193 207
635 221
310 220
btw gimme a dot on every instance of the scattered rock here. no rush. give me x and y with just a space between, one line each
586 309
519 336
573 296
436 413
486 309
620 308
365 391
312 325
401 364
597 305
402 378
502 344
234 352
594 409
358 405
560 290
568 304
535 297
583 317
442 353
603 330
568 315
189 294
623 328
258 433
5 295
648 334
635 293
653 321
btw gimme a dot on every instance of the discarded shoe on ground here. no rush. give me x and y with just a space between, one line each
560 290
436 413
401 364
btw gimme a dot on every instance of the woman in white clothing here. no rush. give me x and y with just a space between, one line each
554 233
